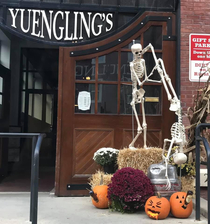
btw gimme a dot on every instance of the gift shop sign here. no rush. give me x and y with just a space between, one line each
59 26
199 54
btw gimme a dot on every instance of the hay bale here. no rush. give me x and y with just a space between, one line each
188 184
139 158
95 179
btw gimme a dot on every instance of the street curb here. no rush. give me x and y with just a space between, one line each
203 207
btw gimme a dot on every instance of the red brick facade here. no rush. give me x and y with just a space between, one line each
195 16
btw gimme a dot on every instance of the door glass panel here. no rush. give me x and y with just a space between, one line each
30 80
126 58
125 100
24 81
85 69
150 64
1 84
37 81
107 99
23 101
90 88
152 99
108 67
49 109
30 105
24 61
137 40
37 106
154 36
30 66
1 107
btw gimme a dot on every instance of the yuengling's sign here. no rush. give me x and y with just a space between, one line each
59 25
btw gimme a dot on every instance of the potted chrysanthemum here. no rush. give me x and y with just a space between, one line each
107 157
129 190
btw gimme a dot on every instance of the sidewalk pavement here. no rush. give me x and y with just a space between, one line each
14 209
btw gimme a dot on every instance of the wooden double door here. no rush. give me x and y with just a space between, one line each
103 116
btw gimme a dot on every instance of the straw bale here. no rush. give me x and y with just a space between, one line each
95 179
140 158
188 184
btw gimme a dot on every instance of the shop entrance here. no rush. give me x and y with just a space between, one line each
38 114
105 76
4 118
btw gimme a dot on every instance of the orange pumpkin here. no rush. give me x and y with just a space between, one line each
99 196
157 207
181 204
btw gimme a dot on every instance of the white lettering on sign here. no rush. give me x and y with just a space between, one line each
56 23
84 100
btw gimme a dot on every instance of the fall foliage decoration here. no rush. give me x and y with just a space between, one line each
157 207
129 190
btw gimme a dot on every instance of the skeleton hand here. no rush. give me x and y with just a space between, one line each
175 105
139 82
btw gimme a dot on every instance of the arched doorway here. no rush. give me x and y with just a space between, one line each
102 69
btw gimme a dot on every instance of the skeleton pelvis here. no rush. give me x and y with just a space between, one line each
140 93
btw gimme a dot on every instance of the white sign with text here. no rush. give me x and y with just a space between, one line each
199 57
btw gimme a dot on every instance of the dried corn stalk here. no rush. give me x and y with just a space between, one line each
197 114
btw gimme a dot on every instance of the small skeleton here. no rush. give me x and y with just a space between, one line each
179 138
139 77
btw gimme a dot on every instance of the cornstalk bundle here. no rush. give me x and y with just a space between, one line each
197 114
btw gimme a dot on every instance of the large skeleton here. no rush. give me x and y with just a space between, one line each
139 77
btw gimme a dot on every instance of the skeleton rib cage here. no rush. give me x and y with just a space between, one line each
178 130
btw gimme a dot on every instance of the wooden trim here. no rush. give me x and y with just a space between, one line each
96 86
123 32
98 44
119 82
59 123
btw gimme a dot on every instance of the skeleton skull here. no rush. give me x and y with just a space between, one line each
136 50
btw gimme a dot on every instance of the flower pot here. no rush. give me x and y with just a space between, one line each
110 168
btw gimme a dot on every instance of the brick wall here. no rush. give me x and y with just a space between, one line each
195 16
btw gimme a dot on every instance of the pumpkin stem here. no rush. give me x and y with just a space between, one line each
94 196
158 195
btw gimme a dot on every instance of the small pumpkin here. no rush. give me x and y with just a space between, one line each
99 196
157 207
181 204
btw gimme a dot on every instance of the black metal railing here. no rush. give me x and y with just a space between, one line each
199 138
36 145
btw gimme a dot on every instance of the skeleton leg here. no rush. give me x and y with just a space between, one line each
168 186
144 125
139 129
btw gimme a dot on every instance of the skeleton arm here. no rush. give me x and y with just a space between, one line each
147 77
165 79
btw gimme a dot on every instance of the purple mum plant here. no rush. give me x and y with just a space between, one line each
129 190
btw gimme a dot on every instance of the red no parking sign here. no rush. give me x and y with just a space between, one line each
199 57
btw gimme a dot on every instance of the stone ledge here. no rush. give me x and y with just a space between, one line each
203 207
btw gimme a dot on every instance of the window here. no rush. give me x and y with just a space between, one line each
107 79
